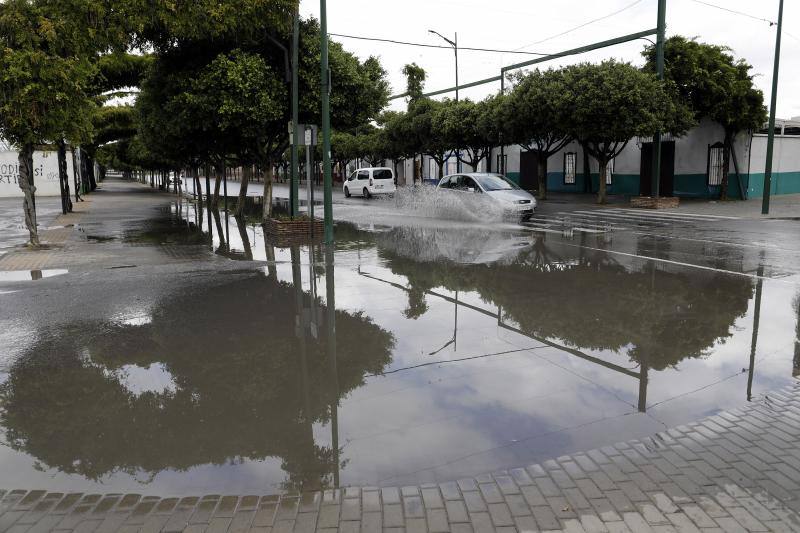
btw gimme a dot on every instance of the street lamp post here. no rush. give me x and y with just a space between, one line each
454 44
773 103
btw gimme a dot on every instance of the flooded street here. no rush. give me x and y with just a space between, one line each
418 350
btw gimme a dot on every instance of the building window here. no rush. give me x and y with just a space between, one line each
570 164
609 171
716 158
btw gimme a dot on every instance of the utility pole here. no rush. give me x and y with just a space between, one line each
294 177
773 103
661 30
326 122
454 44
502 165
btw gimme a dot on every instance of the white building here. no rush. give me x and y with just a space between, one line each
45 172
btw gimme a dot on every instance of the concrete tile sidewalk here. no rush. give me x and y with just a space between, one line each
736 471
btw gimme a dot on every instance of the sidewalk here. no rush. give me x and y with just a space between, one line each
736 471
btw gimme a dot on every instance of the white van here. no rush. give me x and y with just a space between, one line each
367 182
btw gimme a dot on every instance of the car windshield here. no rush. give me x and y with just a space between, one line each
382 174
495 182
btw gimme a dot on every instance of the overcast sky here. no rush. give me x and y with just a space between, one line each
522 24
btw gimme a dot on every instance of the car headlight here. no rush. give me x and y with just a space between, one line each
523 201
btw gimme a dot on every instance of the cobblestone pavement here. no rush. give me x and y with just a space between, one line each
736 471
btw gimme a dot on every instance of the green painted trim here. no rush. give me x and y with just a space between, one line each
782 183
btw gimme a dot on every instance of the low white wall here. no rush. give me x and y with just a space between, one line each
45 173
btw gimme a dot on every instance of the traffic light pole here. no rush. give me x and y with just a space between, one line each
773 103
294 176
660 33
326 122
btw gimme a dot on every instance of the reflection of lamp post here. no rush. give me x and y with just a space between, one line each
754 337
454 44
330 323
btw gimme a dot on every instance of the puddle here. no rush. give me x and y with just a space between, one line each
410 354
30 275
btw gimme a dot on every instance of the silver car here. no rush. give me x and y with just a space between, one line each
494 188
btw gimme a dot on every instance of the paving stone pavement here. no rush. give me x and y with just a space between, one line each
736 471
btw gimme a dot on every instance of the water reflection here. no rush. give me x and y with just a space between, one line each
237 391
431 352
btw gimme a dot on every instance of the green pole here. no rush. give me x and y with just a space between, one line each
660 31
773 103
294 177
326 122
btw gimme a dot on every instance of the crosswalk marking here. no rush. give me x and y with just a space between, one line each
675 214
604 220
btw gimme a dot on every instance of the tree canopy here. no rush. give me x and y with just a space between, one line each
715 85
612 102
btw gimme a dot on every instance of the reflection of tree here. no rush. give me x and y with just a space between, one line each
589 301
232 351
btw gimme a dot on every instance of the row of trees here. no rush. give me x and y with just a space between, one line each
212 91
601 106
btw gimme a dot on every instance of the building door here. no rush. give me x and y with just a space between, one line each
529 170
667 179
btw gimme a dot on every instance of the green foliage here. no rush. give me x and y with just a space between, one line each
45 72
165 25
120 70
248 100
536 114
716 85
113 123
469 126
612 102
415 81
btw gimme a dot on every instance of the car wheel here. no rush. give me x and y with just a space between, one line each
366 193
346 192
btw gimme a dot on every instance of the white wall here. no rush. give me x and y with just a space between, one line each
785 154
45 172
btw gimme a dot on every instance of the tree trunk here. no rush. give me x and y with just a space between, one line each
76 173
601 186
441 168
587 173
207 172
92 180
247 171
266 212
219 170
726 158
488 159
242 227
25 183
63 178
542 164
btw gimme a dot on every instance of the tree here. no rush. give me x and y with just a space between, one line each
536 116
44 86
716 85
470 127
415 81
425 133
612 102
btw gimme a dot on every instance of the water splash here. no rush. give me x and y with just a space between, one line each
430 202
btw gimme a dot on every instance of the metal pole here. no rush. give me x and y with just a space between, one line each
458 150
660 31
773 103
309 184
294 177
502 165
754 336
326 122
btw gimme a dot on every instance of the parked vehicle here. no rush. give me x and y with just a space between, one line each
495 190
368 182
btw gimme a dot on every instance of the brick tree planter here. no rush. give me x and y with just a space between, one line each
296 231
648 202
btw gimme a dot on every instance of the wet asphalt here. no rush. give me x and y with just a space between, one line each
182 351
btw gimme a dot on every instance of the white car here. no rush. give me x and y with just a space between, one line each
493 189
368 182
